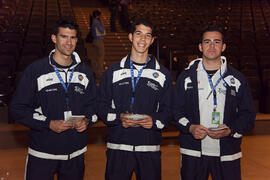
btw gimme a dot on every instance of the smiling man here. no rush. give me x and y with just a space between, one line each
134 103
51 90
212 108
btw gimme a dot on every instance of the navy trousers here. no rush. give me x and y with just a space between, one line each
199 168
121 164
44 169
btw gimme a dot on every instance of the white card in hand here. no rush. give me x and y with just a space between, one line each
217 128
73 119
136 116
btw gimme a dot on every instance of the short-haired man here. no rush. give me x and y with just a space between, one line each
134 103
51 90
212 108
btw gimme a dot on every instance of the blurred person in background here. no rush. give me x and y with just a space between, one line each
98 32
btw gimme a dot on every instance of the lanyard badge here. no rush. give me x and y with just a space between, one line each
133 83
215 115
215 118
64 85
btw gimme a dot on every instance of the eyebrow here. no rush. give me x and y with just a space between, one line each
138 31
213 40
142 32
63 35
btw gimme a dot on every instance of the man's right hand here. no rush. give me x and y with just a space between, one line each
198 131
59 126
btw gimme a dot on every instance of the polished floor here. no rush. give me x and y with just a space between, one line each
14 139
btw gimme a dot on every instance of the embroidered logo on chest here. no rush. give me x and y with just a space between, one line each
123 83
78 90
155 75
222 91
152 85
80 77
51 90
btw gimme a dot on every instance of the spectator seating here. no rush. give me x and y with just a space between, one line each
26 26
246 24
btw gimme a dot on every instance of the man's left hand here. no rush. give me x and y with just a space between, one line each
81 125
146 123
219 133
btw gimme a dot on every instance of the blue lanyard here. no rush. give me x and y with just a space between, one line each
133 83
213 87
64 85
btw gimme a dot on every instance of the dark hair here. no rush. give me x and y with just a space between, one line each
64 23
212 28
96 13
145 22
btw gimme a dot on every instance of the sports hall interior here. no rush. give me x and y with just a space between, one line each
25 27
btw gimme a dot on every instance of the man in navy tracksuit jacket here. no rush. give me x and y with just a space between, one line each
210 94
136 86
42 103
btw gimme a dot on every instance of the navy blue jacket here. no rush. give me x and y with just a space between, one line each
239 113
152 97
40 98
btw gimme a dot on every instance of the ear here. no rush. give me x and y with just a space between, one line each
53 37
223 47
130 37
200 47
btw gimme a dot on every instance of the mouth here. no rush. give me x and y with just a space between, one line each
69 48
142 45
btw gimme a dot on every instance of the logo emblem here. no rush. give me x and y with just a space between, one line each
152 85
155 74
80 77
78 90
232 80
123 73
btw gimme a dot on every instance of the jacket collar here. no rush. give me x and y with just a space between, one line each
197 64
153 63
75 57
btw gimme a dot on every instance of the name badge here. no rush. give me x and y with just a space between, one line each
215 117
67 114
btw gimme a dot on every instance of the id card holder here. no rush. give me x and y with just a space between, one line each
215 117
67 114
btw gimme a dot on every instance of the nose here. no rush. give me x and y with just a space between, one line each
69 40
212 44
143 36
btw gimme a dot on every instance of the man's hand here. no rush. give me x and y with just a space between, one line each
59 126
126 123
219 133
81 125
146 123
198 131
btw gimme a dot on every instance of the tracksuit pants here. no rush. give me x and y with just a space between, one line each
199 168
44 169
121 164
